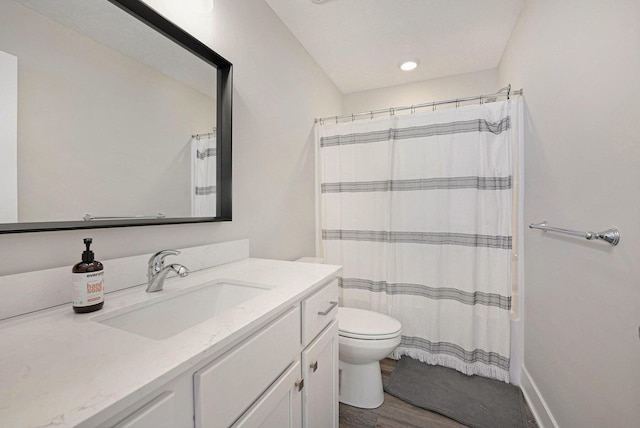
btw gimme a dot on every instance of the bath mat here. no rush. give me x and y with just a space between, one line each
471 400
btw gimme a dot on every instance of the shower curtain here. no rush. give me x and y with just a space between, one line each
417 210
203 177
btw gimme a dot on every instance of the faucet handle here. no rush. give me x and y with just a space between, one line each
156 262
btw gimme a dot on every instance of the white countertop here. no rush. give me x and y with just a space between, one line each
59 368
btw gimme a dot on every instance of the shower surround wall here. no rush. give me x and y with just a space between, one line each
579 63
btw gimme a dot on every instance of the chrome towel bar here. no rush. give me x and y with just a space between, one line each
612 236
89 217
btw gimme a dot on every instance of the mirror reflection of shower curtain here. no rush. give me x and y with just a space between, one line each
417 209
203 177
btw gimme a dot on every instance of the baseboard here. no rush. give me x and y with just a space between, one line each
536 403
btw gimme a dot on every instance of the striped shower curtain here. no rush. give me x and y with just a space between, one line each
417 210
203 177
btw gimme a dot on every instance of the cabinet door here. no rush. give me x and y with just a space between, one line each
280 406
159 413
228 386
170 406
320 372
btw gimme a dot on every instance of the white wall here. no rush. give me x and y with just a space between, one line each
579 64
278 91
8 138
446 88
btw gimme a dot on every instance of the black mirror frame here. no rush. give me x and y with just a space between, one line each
224 96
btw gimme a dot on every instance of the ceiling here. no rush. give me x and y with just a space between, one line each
359 43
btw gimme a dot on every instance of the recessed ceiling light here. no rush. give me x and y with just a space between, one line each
408 64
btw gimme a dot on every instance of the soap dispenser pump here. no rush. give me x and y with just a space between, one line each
88 282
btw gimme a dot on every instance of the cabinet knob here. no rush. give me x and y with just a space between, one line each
314 366
331 306
300 384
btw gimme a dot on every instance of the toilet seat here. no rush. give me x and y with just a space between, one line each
366 325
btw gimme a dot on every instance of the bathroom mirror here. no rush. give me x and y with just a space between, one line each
110 116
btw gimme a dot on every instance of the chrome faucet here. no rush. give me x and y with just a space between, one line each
157 271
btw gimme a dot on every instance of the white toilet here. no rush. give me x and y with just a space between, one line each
366 337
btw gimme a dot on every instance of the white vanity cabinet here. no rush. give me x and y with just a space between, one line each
320 372
286 375
228 386
280 406
306 395
159 413
270 361
320 358
169 407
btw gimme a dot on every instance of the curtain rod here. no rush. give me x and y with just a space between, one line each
392 110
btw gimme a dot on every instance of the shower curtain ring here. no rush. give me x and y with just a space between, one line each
371 114
352 117
433 106
392 111
412 109
457 103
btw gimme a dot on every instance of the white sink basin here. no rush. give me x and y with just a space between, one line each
169 315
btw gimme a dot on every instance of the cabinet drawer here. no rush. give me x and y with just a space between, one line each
318 310
228 386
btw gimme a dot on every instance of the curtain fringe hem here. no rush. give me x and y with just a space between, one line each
453 363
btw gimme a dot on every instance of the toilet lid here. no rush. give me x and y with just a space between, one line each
367 325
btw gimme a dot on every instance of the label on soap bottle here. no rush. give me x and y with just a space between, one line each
88 288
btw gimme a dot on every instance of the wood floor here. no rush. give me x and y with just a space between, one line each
395 413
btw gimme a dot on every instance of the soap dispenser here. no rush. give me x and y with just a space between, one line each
88 282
